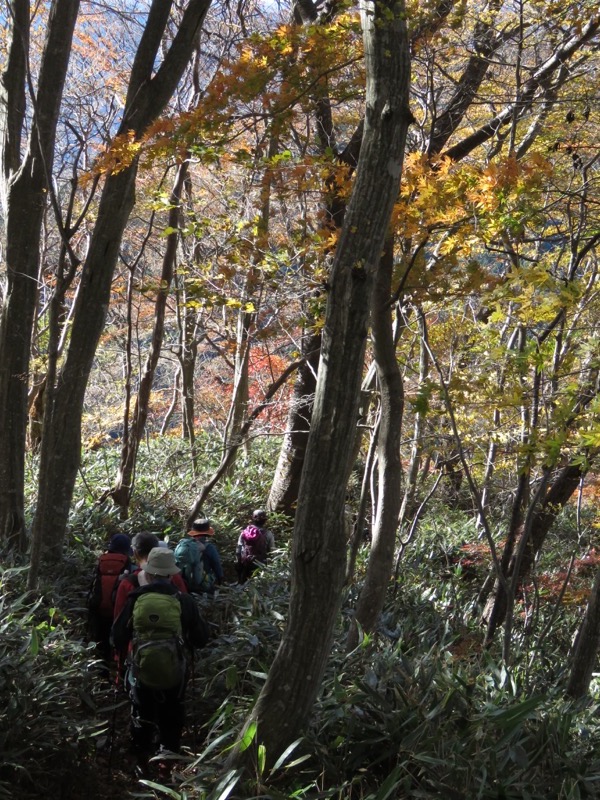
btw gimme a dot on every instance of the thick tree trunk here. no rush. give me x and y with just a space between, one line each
286 483
149 92
391 389
24 193
319 542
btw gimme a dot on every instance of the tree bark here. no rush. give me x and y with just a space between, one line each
319 541
286 482
522 559
407 506
122 490
23 189
391 390
148 93
230 454
586 644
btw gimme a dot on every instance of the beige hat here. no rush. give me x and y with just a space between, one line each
161 562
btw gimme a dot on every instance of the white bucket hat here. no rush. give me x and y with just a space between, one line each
161 562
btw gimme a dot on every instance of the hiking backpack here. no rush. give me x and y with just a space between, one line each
188 557
157 655
101 598
254 545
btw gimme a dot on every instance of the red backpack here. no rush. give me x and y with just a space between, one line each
101 600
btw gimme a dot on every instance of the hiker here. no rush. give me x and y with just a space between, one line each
156 626
203 532
198 558
199 563
253 546
142 544
113 563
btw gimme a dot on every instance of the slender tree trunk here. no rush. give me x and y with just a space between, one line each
171 409
239 395
246 319
319 540
522 558
406 509
187 353
286 483
361 513
230 454
61 442
121 492
391 389
188 395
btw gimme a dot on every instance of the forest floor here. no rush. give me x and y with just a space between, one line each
111 771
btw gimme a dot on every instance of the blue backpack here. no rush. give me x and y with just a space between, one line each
188 557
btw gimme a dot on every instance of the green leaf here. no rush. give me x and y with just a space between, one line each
262 758
511 717
248 737
225 786
288 751
34 642
164 789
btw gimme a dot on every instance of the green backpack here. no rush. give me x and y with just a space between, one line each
158 656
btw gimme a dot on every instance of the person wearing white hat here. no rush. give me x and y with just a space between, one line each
155 626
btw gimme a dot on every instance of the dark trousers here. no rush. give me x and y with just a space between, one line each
156 715
246 569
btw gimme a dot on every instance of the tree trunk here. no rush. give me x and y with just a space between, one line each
229 455
23 188
319 541
391 388
407 507
522 557
61 442
121 492
286 483
189 353
246 320
149 92
586 644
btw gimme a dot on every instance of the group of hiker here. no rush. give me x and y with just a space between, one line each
144 618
